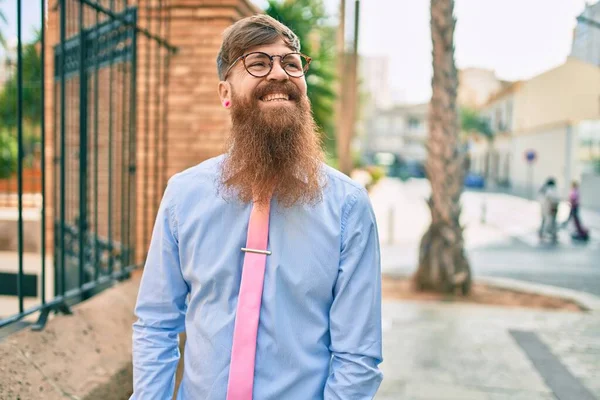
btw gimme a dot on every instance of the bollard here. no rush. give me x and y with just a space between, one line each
391 225
483 210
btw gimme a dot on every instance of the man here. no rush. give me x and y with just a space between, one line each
317 318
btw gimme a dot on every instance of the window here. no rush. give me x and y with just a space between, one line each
381 126
499 119
398 125
509 115
414 123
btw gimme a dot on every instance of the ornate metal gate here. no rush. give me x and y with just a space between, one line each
94 106
95 169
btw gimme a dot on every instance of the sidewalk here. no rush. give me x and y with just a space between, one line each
442 351
500 235
435 351
590 217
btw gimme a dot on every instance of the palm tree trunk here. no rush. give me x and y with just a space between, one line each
443 265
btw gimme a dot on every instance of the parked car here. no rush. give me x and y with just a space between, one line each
474 180
414 169
390 163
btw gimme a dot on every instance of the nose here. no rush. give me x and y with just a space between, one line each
277 73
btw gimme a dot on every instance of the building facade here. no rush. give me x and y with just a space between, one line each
553 115
375 75
492 158
401 130
476 86
586 36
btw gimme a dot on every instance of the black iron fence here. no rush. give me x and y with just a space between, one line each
70 175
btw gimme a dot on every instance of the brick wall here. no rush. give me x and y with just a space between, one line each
179 123
197 124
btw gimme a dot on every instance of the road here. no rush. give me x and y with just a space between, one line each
500 236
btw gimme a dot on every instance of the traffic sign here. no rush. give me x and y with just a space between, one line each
530 156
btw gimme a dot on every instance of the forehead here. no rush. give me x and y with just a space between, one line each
276 48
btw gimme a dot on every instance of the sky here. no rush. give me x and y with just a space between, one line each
517 38
31 20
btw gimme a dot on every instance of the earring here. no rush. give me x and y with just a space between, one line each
227 104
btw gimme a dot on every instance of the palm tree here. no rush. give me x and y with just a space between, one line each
309 21
443 265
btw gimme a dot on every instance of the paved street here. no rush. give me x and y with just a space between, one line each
435 351
503 244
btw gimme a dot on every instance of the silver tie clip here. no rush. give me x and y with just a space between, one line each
265 252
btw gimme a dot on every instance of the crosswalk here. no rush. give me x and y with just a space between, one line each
564 239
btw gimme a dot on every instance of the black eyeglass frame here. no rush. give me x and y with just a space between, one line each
281 57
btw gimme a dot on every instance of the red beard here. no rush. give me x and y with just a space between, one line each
276 150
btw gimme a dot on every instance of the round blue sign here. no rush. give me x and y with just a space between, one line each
530 156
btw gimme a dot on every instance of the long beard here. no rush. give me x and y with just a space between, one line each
274 152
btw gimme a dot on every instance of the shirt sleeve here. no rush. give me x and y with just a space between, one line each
160 309
355 315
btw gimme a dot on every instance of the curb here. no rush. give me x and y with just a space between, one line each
587 301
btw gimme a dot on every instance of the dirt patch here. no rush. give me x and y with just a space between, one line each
402 289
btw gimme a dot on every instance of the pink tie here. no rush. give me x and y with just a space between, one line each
243 351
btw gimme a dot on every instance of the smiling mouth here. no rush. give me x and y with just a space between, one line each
275 97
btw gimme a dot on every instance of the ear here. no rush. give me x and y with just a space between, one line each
225 93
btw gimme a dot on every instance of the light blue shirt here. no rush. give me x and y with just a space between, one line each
319 334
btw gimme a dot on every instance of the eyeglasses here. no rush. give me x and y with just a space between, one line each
259 64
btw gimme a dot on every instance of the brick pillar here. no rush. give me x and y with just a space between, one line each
197 122
52 34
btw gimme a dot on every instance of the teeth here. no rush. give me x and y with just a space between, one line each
276 97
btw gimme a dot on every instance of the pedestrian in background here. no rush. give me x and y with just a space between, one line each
549 204
580 233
